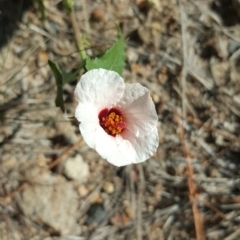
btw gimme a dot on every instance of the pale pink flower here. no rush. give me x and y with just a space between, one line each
118 120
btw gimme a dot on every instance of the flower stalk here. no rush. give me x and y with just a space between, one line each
78 38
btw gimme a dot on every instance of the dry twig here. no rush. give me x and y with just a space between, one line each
199 227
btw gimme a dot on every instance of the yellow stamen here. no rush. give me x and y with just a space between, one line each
113 124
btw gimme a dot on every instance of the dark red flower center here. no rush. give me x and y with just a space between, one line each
111 121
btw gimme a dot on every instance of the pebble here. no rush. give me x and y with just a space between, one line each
96 214
53 201
108 187
76 169
83 191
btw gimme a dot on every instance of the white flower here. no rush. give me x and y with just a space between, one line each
118 120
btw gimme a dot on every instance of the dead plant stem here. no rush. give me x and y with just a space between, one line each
199 227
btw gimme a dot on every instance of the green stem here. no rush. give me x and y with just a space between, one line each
77 35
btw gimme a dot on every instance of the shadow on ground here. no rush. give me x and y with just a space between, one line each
10 13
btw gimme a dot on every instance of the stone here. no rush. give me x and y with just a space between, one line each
76 169
108 187
96 214
83 191
51 201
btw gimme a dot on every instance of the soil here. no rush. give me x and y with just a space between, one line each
53 186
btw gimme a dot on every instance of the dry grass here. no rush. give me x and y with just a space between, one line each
187 54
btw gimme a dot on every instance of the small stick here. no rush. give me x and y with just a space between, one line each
192 187
65 154
140 201
191 183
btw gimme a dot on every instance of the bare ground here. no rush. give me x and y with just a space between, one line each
54 187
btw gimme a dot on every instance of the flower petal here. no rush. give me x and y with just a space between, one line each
86 112
88 133
138 109
87 115
144 147
107 148
132 92
101 87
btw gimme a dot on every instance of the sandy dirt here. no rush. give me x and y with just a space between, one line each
53 186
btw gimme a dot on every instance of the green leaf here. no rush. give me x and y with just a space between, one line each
113 59
57 72
59 102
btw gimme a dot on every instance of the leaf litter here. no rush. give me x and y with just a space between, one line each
147 201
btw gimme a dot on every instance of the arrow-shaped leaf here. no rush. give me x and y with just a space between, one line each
113 59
